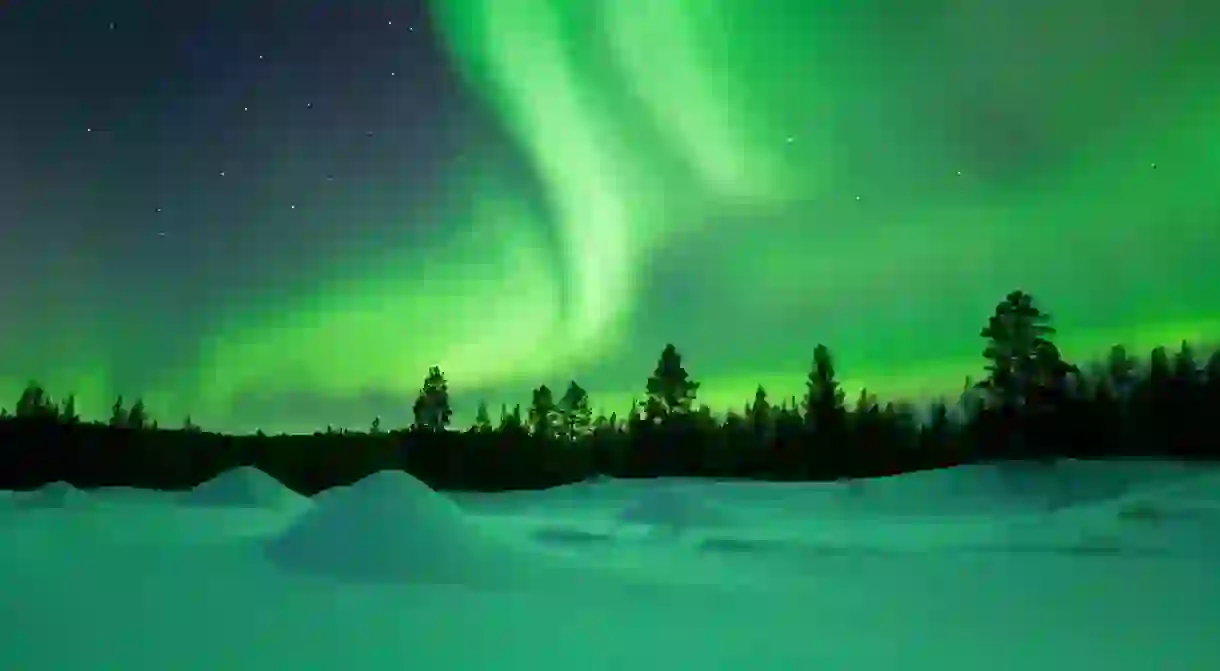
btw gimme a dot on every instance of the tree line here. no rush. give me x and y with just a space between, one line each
1031 405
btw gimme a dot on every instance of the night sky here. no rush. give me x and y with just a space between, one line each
280 214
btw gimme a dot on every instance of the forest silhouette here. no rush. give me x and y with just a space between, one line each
1031 406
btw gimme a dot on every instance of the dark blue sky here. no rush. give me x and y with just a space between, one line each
158 161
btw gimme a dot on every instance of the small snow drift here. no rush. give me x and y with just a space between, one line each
390 527
53 495
674 511
243 487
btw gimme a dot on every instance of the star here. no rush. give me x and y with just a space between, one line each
222 173
309 106
158 209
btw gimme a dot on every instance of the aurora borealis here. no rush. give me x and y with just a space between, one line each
530 191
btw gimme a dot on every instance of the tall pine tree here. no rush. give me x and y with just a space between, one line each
543 413
432 411
482 418
825 414
1019 353
671 392
575 413
760 415
510 421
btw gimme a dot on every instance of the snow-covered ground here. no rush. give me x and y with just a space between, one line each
1107 566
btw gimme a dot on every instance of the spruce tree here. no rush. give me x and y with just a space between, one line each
189 425
671 392
1211 370
1053 379
1160 370
137 416
1120 371
1186 371
575 413
118 415
1018 351
865 403
824 411
68 414
36 403
761 415
482 419
543 413
510 422
1211 389
432 411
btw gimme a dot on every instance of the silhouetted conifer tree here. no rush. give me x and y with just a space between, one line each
760 415
601 422
118 414
1120 372
67 413
1211 371
865 403
670 389
824 411
575 414
704 419
1186 372
137 416
635 422
510 422
375 427
934 434
1016 334
1210 397
1160 370
36 403
482 418
1052 384
432 411
543 413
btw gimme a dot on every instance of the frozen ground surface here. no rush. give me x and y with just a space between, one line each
1107 566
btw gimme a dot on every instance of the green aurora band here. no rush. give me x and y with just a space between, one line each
748 179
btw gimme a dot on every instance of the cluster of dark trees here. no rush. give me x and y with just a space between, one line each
1031 406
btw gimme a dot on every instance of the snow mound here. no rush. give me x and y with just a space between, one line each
390 527
243 487
53 495
1174 518
674 511
1016 487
